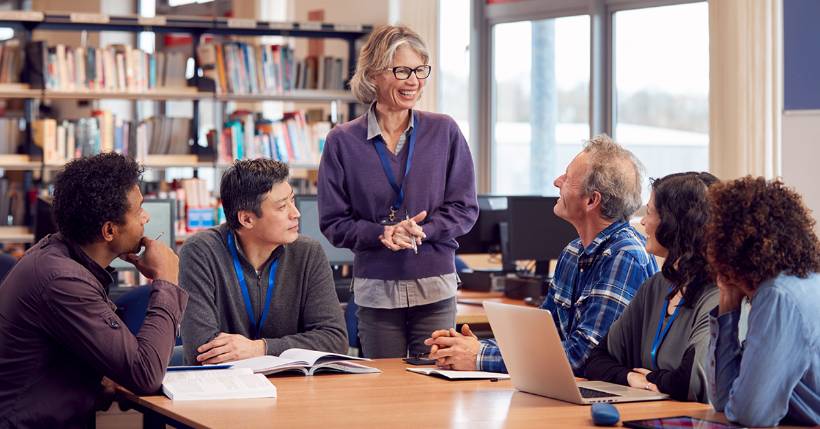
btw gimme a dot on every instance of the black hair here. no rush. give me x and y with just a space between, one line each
92 191
682 205
245 184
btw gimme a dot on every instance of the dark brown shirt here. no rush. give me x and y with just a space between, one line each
59 335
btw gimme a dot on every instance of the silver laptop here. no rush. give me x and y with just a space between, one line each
537 363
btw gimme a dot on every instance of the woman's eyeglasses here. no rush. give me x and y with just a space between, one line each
403 73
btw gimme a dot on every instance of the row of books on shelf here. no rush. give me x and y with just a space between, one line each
247 135
244 68
105 132
116 67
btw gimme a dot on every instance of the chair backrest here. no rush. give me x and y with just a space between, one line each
132 306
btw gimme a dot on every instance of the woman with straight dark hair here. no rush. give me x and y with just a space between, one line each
658 340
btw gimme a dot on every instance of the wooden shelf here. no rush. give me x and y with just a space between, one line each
16 234
188 93
296 95
18 162
179 24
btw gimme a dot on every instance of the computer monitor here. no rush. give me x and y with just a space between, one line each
533 231
309 226
162 214
484 237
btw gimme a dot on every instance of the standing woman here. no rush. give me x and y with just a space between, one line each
659 340
396 186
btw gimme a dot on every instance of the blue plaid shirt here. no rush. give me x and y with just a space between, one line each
590 289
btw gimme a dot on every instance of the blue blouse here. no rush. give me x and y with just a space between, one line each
775 373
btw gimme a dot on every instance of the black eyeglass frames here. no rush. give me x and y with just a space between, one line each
403 72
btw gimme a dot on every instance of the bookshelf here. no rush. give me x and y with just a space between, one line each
26 22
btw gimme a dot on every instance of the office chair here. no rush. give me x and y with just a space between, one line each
132 306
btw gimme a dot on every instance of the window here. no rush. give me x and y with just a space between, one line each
453 72
541 101
650 86
661 81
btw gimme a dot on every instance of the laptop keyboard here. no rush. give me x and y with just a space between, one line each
590 393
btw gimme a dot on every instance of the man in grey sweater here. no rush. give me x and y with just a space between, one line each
256 287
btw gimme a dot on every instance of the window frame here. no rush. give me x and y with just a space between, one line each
602 109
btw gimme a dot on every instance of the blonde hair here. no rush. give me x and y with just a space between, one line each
377 55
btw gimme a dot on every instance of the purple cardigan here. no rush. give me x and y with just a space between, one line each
354 195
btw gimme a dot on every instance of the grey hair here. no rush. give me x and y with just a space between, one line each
377 55
616 174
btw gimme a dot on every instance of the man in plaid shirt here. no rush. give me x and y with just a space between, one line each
597 274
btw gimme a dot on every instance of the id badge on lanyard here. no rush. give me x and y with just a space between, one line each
393 217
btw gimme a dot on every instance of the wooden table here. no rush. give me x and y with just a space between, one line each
469 308
393 399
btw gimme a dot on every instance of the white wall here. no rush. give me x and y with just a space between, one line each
801 154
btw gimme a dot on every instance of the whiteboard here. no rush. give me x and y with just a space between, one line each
801 156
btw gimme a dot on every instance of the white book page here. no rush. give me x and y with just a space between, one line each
461 375
344 366
267 363
312 356
221 384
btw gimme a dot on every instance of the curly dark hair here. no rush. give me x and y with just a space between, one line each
680 200
759 229
245 184
92 191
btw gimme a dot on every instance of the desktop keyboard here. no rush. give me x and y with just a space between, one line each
590 393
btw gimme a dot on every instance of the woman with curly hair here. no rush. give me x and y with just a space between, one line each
761 243
657 342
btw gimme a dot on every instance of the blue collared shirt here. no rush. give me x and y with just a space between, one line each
591 288
775 373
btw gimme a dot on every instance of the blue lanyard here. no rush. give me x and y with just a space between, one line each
255 326
662 330
381 149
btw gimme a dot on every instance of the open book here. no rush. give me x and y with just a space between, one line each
461 375
239 383
306 361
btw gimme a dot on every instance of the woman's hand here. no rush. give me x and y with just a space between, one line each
730 296
637 379
402 235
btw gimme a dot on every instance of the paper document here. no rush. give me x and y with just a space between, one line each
461 375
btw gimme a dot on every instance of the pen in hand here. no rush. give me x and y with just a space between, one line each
159 236
415 246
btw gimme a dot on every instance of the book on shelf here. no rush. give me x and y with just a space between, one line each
308 362
10 135
460 375
115 68
244 68
12 202
233 383
247 135
11 61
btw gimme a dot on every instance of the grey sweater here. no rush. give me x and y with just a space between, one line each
629 342
304 310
